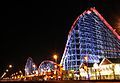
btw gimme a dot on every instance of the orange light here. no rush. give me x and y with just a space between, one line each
55 57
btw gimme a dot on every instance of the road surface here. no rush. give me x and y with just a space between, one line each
64 81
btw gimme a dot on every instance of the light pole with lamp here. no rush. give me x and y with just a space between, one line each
55 57
10 66
86 66
95 66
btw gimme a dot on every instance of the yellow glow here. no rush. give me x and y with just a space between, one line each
55 72
85 67
49 70
110 72
21 75
83 73
70 75
16 72
55 56
62 68
18 76
72 70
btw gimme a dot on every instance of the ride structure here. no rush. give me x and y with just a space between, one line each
90 39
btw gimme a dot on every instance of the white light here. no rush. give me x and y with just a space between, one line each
10 66
36 72
117 67
6 70
88 12
3 74
51 77
95 66
20 71
59 76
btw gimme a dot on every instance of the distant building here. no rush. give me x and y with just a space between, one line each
90 39
108 68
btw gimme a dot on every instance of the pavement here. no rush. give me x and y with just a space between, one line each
62 81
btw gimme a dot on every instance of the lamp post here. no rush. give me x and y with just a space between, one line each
7 70
10 66
95 67
86 66
113 69
55 57
35 71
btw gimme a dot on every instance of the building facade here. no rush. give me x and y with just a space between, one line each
108 68
90 39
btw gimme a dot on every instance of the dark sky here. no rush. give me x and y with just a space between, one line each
39 29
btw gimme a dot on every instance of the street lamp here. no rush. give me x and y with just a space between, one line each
6 70
34 66
20 71
55 57
95 65
10 66
16 72
86 65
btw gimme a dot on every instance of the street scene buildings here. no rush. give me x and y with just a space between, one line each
92 52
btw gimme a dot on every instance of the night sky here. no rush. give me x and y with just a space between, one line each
39 29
